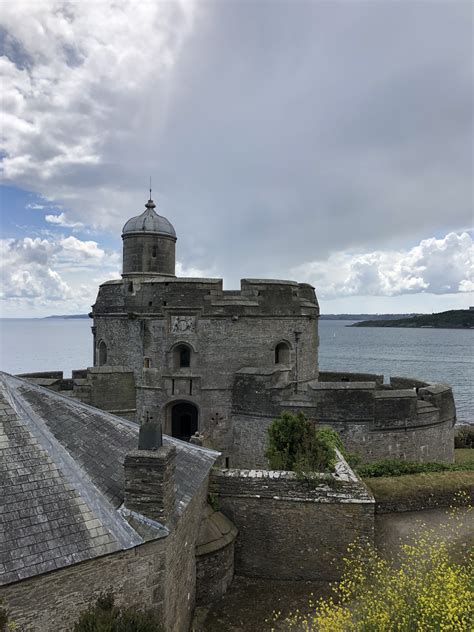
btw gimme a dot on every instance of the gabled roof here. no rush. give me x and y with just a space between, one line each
61 481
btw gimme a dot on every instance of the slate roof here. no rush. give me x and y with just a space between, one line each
61 481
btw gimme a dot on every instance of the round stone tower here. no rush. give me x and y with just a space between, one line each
149 244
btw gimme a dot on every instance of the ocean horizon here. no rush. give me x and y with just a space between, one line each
435 355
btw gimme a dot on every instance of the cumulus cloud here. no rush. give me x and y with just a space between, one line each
62 220
26 271
437 266
55 272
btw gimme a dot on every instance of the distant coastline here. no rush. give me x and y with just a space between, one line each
452 319
67 317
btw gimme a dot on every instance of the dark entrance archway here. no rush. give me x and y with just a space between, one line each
184 420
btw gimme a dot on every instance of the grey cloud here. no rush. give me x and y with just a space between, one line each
282 133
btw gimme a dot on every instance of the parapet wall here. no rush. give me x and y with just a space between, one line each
110 388
153 296
343 376
289 528
374 420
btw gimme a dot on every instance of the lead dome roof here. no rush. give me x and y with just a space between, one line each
149 222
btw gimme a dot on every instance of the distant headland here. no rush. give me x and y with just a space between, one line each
452 319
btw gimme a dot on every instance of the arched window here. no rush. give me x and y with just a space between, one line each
282 353
182 357
102 353
146 363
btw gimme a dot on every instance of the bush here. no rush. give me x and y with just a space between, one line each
294 444
425 588
395 467
3 619
105 616
464 437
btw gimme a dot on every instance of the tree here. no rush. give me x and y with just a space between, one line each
294 444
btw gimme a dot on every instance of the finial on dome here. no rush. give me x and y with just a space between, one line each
150 203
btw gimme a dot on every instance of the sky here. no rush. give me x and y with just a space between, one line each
324 142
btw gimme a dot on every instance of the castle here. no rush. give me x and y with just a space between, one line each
225 363
93 501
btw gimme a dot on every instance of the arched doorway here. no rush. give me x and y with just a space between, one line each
184 420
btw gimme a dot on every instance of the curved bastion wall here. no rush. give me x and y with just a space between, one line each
406 419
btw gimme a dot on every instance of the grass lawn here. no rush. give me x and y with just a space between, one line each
464 456
421 486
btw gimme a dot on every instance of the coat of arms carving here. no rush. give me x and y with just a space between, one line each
183 324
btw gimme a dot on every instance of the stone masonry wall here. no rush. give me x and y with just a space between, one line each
54 601
214 574
290 530
424 443
180 587
112 389
373 421
229 330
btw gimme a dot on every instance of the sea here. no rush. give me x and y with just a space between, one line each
440 355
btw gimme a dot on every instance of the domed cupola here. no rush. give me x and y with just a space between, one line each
149 244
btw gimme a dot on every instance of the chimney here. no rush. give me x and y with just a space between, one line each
149 474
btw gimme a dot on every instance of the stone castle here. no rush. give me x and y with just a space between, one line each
94 501
225 363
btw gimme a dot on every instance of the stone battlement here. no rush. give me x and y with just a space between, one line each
156 296
375 420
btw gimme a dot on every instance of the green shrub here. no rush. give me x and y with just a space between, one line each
3 619
105 616
294 444
464 437
395 467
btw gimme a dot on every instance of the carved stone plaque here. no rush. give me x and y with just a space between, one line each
183 324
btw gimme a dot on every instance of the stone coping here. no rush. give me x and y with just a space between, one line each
340 486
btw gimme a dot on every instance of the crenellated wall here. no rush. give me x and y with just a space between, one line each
374 420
